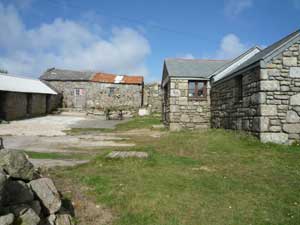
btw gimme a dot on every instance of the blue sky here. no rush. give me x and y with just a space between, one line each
135 36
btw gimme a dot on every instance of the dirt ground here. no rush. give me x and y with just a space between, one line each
48 135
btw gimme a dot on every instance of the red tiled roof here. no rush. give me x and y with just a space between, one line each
112 78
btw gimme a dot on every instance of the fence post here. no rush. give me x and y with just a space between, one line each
1 143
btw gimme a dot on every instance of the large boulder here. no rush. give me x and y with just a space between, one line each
17 192
28 217
64 219
46 191
16 164
7 219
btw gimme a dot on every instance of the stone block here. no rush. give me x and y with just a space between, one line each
295 72
295 99
275 128
292 117
175 127
290 61
268 110
274 72
185 118
264 74
260 124
182 101
292 128
277 138
175 93
183 85
269 85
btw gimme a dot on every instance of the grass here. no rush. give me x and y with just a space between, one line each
137 122
192 178
48 155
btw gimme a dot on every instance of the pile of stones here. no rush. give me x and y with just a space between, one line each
27 198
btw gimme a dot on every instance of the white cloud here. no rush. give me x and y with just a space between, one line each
235 7
68 44
186 56
230 47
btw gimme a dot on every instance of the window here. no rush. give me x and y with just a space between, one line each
197 89
78 91
239 88
111 91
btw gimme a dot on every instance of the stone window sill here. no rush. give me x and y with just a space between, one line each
197 98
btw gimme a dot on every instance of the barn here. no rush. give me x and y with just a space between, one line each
96 90
24 98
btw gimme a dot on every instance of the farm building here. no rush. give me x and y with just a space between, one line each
258 92
23 97
90 90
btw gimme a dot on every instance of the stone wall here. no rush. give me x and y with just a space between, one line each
13 105
153 97
16 105
280 85
231 109
53 102
182 111
97 95
38 105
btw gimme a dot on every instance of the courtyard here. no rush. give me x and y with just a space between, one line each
190 177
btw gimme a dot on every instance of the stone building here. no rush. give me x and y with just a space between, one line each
258 92
23 98
89 90
153 97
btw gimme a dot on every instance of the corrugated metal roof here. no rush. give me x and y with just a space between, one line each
66 75
200 68
117 79
25 85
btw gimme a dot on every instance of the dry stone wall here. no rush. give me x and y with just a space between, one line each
185 112
26 198
231 111
98 95
280 85
153 97
13 105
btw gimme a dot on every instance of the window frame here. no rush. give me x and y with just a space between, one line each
196 89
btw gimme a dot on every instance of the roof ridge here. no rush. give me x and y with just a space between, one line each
213 60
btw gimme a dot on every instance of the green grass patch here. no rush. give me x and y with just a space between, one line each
139 123
192 178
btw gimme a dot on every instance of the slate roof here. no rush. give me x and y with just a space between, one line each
13 83
66 75
191 68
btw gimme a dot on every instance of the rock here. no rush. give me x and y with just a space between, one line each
295 99
17 192
158 126
295 72
2 185
278 138
144 112
289 61
18 209
7 219
28 217
16 164
268 110
267 85
64 219
291 128
47 193
51 219
292 117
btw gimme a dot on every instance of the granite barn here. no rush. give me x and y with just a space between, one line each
258 92
24 98
99 91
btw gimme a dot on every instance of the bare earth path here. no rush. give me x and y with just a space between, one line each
47 135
